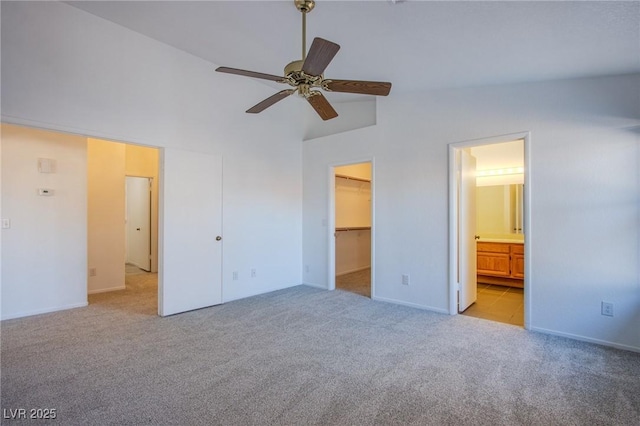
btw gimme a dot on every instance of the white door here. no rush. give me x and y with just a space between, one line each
467 231
191 232
138 222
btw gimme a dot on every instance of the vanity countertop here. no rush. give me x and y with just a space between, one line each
500 240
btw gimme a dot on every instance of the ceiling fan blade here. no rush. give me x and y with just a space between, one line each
322 106
320 54
270 101
251 74
378 88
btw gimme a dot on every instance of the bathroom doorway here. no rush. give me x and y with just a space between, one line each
488 225
352 220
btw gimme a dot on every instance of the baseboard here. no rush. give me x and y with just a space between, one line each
585 339
262 291
314 285
411 305
351 271
45 311
106 290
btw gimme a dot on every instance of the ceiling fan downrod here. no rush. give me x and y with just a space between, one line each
304 6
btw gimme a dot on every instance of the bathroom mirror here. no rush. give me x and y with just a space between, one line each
499 211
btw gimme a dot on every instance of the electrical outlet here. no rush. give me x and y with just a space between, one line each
93 272
235 275
405 279
6 223
253 272
607 309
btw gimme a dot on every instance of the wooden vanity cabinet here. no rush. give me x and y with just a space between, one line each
500 263
517 261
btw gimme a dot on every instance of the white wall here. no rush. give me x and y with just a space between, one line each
82 74
44 253
353 251
105 215
351 115
584 196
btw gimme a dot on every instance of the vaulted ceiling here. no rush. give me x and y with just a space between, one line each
417 45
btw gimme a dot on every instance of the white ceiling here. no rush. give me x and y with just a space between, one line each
417 45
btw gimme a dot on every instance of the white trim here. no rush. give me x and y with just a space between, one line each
331 222
453 217
585 339
45 311
161 156
411 305
262 292
107 290
314 285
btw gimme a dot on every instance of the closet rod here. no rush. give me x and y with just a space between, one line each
356 228
352 178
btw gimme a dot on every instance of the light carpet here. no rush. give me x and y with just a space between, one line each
358 282
305 356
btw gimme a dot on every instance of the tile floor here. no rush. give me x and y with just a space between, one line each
498 303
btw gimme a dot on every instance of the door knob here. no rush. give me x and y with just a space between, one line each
218 238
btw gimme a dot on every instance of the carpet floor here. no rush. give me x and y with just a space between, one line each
304 356
358 282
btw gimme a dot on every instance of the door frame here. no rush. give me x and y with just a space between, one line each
331 225
453 218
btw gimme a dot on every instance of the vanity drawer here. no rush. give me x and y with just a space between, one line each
492 247
517 248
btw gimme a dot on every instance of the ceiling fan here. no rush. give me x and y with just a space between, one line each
305 76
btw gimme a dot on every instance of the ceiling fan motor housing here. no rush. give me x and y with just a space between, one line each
293 67
296 77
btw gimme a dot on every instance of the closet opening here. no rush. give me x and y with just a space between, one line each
352 228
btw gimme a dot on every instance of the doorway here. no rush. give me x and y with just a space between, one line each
489 216
138 222
122 219
351 220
